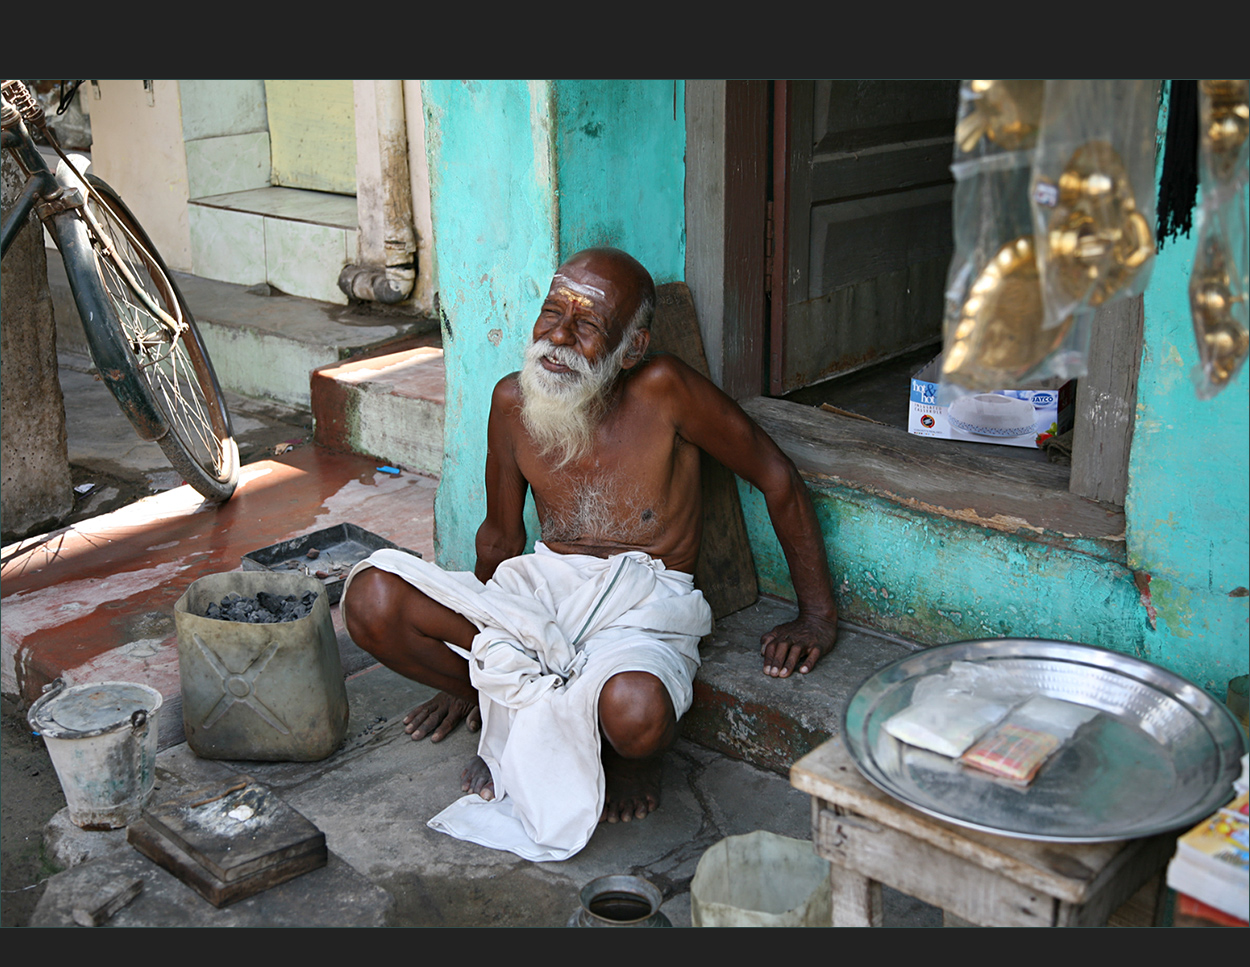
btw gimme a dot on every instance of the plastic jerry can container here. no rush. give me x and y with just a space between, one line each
268 692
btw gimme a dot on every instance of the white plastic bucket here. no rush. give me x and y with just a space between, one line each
761 880
102 740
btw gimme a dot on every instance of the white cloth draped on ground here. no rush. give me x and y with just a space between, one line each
553 628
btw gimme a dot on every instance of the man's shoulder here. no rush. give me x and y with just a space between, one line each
661 367
508 389
506 398
664 374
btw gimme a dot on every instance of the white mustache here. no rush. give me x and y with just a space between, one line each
564 355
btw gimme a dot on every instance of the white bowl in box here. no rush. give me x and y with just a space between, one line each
988 414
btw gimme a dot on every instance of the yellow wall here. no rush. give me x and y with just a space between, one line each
312 134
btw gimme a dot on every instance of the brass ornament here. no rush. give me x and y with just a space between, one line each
1007 113
999 338
1225 124
1097 239
1222 339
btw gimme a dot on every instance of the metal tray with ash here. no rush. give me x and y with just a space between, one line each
327 555
229 841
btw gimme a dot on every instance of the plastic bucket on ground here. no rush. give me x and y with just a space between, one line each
268 692
101 737
761 880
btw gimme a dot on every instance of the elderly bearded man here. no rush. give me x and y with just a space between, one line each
577 661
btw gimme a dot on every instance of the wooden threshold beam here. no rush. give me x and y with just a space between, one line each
942 477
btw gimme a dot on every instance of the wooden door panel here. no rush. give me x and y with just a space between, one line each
851 241
868 313
867 223
849 115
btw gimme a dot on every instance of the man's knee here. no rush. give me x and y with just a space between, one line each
368 606
636 714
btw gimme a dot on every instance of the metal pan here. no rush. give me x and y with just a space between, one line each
1162 754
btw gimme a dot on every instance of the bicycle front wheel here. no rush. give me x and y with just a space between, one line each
171 366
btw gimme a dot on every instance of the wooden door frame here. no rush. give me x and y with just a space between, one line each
748 170
781 188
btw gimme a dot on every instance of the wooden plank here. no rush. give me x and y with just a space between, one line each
876 320
725 572
938 476
1140 862
96 901
1067 871
846 174
236 828
1106 403
1145 907
928 873
747 148
168 855
1140 911
706 236
856 899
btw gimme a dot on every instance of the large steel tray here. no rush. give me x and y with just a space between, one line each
1162 755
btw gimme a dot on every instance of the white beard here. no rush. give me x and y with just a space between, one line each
562 410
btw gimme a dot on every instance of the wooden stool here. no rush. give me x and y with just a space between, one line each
871 838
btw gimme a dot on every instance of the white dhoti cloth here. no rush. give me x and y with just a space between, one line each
552 629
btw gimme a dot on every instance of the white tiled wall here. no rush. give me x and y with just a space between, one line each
235 162
228 246
305 259
297 241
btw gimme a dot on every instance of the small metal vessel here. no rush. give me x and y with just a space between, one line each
619 900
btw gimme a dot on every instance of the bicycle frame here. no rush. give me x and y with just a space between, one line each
60 202
66 190
39 185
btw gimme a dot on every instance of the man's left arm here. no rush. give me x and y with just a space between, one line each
711 420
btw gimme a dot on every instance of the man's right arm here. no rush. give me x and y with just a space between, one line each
502 534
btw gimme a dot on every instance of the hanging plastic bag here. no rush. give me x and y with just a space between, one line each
1093 194
1218 283
994 326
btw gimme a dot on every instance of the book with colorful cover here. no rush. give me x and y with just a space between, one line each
1189 906
1212 863
1222 842
1217 890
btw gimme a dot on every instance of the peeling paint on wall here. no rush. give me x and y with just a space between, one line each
1142 580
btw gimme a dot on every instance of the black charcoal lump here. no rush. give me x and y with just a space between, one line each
265 608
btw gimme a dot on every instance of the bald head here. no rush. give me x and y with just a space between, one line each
616 277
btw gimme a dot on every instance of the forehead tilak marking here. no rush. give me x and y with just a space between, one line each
589 291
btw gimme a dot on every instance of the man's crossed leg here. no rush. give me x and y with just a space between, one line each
406 630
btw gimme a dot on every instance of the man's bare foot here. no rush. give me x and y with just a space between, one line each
476 778
633 787
440 715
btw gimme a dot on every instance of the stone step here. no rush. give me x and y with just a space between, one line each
388 406
264 344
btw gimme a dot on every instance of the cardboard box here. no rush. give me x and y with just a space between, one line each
1012 417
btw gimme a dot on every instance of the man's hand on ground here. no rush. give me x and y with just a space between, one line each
797 644
437 717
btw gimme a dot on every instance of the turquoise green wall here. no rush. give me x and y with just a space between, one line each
1188 526
493 208
621 157
522 175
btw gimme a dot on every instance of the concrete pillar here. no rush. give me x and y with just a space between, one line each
494 209
35 493
522 175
